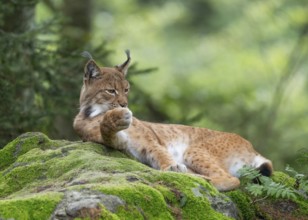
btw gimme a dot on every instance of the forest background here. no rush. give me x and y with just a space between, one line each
237 66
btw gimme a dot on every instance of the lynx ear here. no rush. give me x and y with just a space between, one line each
124 66
91 69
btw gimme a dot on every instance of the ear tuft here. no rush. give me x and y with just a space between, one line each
86 54
127 54
124 66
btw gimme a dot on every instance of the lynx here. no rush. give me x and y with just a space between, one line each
105 118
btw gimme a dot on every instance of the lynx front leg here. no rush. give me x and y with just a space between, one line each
88 129
114 121
202 163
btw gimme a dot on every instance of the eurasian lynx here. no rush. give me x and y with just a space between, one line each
104 118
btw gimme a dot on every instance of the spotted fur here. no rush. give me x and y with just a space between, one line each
104 118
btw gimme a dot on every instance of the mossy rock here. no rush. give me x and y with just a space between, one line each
56 179
51 179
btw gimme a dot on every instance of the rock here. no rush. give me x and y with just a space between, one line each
85 203
220 203
57 179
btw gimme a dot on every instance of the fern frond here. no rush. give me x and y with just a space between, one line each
254 189
294 173
249 173
267 186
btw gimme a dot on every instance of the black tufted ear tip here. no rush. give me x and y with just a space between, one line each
86 54
127 53
124 66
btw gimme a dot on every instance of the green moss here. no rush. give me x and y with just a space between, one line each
303 207
168 195
181 186
105 214
39 155
61 162
113 165
280 177
142 201
19 177
98 148
20 146
35 207
180 180
60 166
243 203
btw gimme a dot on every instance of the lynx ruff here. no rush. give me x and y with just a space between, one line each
104 118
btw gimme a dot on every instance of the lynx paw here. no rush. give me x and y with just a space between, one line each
124 119
177 168
117 119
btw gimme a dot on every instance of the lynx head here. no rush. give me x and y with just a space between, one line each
103 88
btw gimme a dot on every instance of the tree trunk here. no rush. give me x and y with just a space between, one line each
75 35
77 27
17 16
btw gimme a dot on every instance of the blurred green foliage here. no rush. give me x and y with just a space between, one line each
39 74
237 66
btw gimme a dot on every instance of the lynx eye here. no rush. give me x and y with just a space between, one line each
126 91
111 91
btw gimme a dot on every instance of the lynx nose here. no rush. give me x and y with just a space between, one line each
122 101
123 105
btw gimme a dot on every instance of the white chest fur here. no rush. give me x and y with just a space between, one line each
97 109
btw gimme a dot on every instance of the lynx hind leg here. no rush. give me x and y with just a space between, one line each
225 182
201 163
